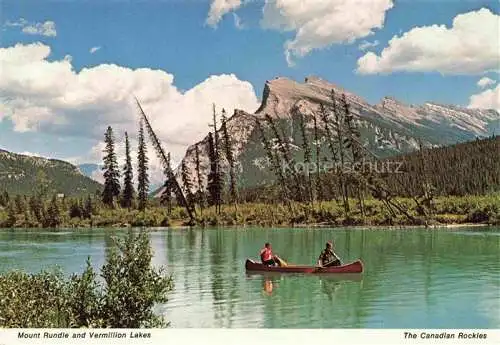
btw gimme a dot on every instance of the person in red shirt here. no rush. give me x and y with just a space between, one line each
267 257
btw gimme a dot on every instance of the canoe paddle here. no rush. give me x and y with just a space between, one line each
281 261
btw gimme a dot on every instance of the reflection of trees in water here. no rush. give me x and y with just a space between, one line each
234 285
217 258
191 239
225 273
348 243
330 287
202 259
109 242
170 247
48 236
387 255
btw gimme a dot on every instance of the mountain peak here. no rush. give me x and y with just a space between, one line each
281 94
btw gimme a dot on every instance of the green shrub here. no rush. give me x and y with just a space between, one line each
131 289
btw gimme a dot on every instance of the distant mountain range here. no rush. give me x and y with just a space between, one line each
88 169
388 128
21 174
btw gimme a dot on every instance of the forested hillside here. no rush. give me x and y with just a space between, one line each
470 168
21 174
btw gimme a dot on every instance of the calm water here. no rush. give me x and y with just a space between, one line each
413 278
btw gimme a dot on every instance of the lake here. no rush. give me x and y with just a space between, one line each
414 278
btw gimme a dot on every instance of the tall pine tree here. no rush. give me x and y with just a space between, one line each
128 176
53 216
142 171
200 194
111 172
88 208
230 160
166 195
186 182
214 185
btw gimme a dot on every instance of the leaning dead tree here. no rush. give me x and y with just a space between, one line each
165 162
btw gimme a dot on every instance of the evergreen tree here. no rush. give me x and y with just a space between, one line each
317 180
200 195
230 160
11 215
275 164
142 171
88 208
4 199
75 210
179 195
186 182
19 203
353 141
291 176
53 214
307 158
128 176
215 176
36 205
166 195
213 186
111 172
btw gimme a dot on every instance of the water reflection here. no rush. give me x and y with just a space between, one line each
268 286
406 283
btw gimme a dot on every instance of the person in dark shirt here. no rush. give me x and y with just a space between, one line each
327 257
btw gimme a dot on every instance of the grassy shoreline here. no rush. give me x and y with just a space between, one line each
447 211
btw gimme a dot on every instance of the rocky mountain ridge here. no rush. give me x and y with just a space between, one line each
388 128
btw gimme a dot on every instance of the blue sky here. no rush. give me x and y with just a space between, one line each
173 36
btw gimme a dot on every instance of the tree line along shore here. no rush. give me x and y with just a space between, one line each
457 184
89 212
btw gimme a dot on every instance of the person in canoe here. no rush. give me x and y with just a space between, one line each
328 258
268 258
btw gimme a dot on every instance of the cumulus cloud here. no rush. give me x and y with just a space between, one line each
488 99
320 23
485 81
366 45
51 97
469 46
47 28
94 49
218 8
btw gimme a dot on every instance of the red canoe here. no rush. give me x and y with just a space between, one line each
353 267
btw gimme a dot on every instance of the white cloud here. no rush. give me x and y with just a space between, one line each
365 45
94 49
218 8
487 99
47 28
50 97
20 23
470 46
320 23
485 81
